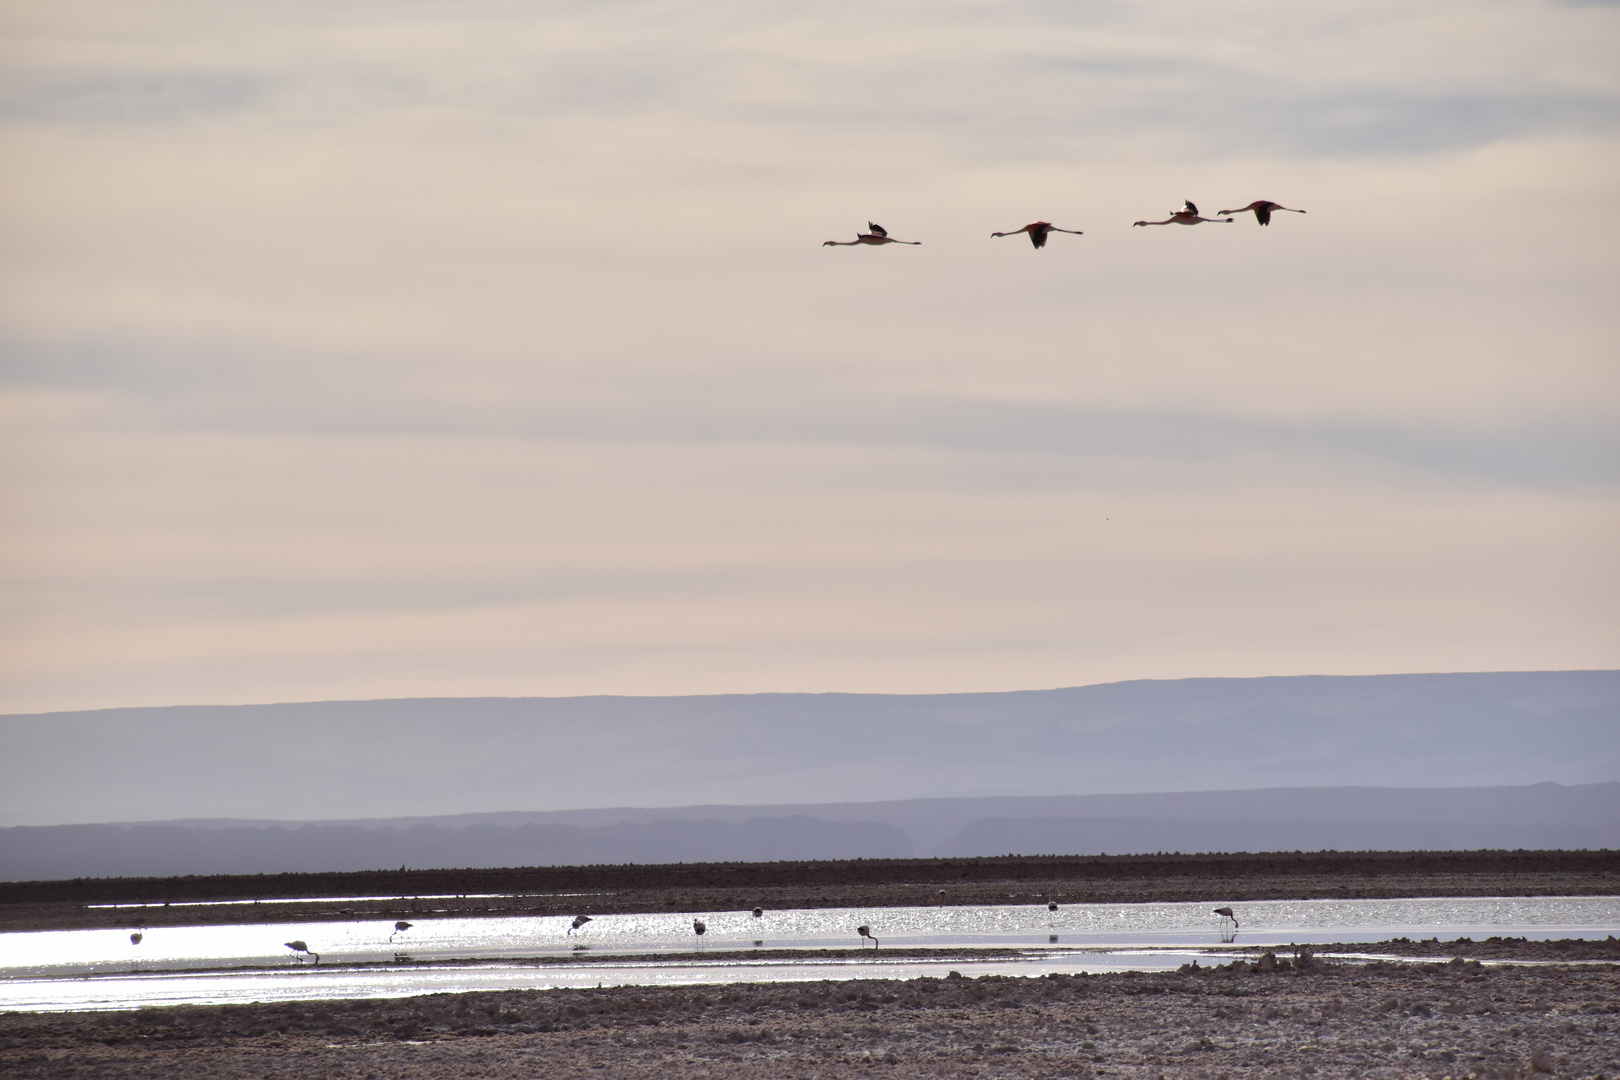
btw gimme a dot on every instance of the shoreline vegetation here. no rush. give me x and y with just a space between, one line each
706 887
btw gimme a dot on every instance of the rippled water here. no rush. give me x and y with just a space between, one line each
102 969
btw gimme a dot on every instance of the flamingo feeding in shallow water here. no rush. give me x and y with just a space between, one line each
399 928
1187 215
300 947
1226 913
1262 210
698 928
866 932
1038 231
579 921
877 235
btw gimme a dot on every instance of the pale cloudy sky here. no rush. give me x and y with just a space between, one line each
478 348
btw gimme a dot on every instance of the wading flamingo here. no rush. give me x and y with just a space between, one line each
399 928
866 932
300 947
579 921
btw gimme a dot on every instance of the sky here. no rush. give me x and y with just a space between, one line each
365 350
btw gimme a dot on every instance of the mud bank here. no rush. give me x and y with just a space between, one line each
1323 1020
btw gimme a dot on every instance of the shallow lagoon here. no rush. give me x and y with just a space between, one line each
88 969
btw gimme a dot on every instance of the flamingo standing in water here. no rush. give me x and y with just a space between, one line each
866 932
135 938
300 947
1038 231
1262 210
1187 215
877 235
579 921
698 928
399 928
1226 913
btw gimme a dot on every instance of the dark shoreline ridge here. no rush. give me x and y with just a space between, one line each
1230 878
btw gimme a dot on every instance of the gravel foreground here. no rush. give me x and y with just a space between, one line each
1294 1017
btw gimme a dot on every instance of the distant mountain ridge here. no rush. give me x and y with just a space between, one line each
427 758
1541 816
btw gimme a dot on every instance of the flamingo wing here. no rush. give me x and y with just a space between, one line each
1188 206
877 230
1262 213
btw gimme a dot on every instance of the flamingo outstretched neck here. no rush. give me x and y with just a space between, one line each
1038 231
1262 209
875 235
301 947
1187 215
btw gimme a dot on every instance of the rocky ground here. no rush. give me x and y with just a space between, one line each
561 890
1284 1017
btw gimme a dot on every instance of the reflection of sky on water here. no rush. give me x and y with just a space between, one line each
33 965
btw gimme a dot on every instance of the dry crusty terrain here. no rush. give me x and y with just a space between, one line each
1377 1021
556 890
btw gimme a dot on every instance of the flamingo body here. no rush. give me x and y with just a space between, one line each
1262 209
874 236
1187 215
1038 232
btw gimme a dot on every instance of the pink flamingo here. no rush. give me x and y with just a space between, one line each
878 235
1187 215
1038 231
1262 210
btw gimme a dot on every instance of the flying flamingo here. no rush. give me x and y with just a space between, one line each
579 921
866 932
1187 215
300 947
1038 231
1262 210
878 235
399 928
